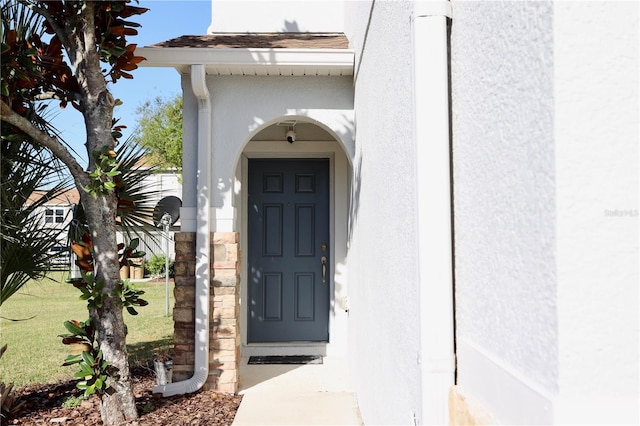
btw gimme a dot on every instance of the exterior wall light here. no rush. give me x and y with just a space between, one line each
291 136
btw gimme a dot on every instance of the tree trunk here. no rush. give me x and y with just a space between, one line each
118 403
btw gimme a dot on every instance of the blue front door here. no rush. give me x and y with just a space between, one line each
288 234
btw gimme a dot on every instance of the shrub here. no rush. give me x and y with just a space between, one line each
156 265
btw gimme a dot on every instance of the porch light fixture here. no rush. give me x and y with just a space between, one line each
291 136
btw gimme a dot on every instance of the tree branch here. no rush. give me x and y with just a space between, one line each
62 35
10 116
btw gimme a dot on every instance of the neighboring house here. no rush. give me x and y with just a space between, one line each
57 213
457 212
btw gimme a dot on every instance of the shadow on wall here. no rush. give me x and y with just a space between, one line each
354 204
290 27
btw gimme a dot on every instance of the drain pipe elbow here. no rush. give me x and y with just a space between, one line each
203 243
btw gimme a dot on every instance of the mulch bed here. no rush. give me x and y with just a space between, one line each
42 405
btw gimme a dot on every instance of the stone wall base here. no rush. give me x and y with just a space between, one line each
224 310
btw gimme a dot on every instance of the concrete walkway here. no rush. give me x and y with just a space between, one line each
311 394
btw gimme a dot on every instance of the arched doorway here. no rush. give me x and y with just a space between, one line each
293 222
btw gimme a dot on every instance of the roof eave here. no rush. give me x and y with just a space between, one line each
252 61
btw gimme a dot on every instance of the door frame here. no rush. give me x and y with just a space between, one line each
338 170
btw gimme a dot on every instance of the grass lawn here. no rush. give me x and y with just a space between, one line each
35 353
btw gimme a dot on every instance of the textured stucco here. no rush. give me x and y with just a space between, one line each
242 105
504 192
384 333
597 138
545 155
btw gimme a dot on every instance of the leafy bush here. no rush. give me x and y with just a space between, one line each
156 265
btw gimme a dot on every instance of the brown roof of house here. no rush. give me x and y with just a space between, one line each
69 196
260 41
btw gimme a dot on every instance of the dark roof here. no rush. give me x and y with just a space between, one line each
260 41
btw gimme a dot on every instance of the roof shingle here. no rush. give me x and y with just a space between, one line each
259 41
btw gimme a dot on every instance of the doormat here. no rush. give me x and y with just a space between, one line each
286 359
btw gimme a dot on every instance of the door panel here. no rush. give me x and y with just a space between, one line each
287 230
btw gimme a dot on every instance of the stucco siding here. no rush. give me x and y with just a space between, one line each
597 139
241 105
545 154
504 192
384 332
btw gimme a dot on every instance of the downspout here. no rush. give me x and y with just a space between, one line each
431 79
203 243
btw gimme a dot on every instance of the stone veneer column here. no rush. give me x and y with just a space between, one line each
224 311
224 337
183 311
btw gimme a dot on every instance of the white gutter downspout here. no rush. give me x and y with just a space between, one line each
431 79
203 243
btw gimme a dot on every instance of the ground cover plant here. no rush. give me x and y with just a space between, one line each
35 352
46 391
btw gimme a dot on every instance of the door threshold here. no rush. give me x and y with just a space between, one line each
284 348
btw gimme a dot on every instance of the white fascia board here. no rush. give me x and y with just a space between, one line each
252 61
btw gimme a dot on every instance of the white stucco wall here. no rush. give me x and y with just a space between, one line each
504 192
241 105
545 146
597 137
384 332
276 16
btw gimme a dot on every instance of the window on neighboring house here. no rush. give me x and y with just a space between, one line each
48 216
51 216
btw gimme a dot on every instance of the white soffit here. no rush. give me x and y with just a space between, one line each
252 61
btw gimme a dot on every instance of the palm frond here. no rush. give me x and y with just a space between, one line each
25 250
138 193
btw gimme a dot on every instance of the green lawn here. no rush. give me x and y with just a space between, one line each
35 353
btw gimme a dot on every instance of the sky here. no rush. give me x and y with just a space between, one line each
165 19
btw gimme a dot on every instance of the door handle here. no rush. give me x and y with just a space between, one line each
323 261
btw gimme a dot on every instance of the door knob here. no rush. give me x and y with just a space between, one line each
323 261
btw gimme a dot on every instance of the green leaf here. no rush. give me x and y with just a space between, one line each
133 244
83 373
89 391
71 360
88 358
132 311
74 329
